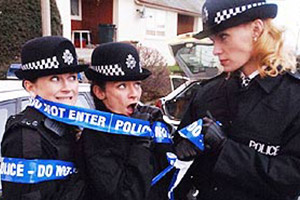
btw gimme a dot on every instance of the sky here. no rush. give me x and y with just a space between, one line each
289 18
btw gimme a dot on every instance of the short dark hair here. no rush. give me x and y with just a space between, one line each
32 80
102 84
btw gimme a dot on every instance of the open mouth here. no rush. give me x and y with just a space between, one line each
131 108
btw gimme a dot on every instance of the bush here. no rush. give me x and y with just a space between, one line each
158 84
20 20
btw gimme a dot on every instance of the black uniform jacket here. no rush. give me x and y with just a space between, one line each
117 167
31 135
159 191
261 159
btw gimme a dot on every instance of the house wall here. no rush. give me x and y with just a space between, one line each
94 13
76 25
198 24
131 26
64 8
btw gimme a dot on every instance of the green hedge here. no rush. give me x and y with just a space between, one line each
20 20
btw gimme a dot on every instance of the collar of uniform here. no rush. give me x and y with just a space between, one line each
251 76
235 75
35 118
246 80
34 115
268 83
56 127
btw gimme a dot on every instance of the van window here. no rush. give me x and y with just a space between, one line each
24 103
82 101
6 109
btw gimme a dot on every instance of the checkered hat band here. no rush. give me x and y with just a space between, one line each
109 70
227 14
48 63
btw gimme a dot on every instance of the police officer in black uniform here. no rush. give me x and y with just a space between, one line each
119 167
49 69
251 112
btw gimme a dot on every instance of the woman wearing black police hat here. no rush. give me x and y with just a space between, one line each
118 167
254 152
49 69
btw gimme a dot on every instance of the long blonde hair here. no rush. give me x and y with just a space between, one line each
270 54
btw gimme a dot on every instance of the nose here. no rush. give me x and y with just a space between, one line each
133 93
66 85
217 49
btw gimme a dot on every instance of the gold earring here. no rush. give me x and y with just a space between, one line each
255 39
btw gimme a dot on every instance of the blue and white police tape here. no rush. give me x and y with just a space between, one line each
161 133
102 121
181 169
20 170
192 132
171 160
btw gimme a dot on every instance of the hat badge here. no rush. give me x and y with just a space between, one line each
130 61
68 57
205 15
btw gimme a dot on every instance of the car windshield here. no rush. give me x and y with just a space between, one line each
198 58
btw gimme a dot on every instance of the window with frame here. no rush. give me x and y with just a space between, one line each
7 108
76 9
156 23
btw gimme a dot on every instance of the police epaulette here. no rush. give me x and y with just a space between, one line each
203 82
25 118
12 120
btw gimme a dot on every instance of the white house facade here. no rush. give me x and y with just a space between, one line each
151 23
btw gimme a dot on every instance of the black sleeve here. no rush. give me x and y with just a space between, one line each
12 146
116 166
186 184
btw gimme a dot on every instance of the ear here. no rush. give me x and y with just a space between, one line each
99 93
30 88
257 28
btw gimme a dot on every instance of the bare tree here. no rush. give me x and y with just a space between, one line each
158 84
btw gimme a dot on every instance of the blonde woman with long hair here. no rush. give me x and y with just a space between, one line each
250 113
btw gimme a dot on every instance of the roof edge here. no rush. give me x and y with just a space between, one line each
164 7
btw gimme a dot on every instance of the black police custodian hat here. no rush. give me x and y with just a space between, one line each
218 15
116 61
49 55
